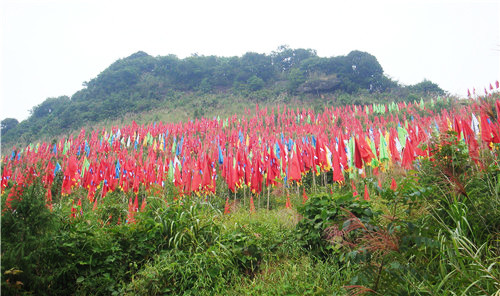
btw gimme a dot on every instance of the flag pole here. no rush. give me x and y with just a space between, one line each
314 180
268 190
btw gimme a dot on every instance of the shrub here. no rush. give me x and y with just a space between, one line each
323 211
26 232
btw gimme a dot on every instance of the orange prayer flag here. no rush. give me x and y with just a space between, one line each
366 196
252 206
226 207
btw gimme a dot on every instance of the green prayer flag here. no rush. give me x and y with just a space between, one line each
174 146
384 154
171 171
402 136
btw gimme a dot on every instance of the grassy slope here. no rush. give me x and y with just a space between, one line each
188 105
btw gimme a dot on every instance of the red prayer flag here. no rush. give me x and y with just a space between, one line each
358 162
337 170
394 186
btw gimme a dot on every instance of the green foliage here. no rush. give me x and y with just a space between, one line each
236 249
193 259
8 124
427 87
140 83
437 235
255 83
50 106
177 272
26 229
49 250
302 275
285 58
440 235
177 248
295 78
323 211
205 85
458 179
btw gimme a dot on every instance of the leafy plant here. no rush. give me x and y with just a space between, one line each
322 212
26 229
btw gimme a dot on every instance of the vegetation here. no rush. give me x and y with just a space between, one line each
201 85
8 124
432 235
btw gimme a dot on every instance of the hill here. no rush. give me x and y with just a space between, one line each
172 89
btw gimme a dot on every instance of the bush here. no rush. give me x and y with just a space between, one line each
26 232
323 211
255 83
188 273
440 229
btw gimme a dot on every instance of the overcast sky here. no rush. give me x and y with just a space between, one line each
50 47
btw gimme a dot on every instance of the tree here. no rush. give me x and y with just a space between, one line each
205 85
285 58
257 64
255 83
8 124
49 106
365 69
364 63
295 78
427 87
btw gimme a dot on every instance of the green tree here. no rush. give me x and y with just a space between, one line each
295 78
427 87
257 64
8 124
285 58
49 106
365 69
255 83
205 85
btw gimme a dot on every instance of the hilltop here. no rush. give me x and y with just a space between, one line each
146 88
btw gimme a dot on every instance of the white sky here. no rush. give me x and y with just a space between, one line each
50 47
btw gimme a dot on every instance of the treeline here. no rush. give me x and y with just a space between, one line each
141 82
